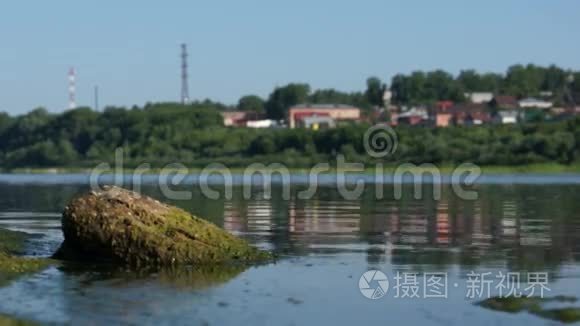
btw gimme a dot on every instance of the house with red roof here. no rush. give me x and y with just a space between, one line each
337 112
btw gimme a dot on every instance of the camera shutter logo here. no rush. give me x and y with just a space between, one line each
373 284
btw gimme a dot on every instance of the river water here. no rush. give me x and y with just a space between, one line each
525 225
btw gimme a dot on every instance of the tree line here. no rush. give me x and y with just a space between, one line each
425 88
194 135
282 98
519 81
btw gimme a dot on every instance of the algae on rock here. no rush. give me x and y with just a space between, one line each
13 242
123 226
536 306
8 321
12 267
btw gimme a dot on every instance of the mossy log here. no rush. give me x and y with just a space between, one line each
123 226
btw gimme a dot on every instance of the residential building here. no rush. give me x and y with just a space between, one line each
413 117
479 97
443 119
505 102
234 118
507 116
240 118
318 122
471 114
565 113
387 97
531 102
266 123
393 115
443 113
337 112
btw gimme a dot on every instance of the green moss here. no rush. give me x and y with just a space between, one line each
535 305
511 304
12 242
565 315
7 321
12 267
123 226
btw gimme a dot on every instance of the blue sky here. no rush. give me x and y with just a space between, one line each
131 48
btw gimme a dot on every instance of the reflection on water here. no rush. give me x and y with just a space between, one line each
514 227
187 277
520 225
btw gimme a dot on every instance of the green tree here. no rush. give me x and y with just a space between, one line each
332 96
471 81
282 98
252 103
375 91
523 81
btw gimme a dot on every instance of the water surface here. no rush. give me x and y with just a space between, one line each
519 224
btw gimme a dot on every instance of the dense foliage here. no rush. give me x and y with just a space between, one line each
284 97
193 135
521 81
425 88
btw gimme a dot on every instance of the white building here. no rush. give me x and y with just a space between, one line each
479 97
387 97
414 111
508 117
531 102
261 123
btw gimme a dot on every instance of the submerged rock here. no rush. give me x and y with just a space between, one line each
8 321
13 242
536 306
122 226
12 267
